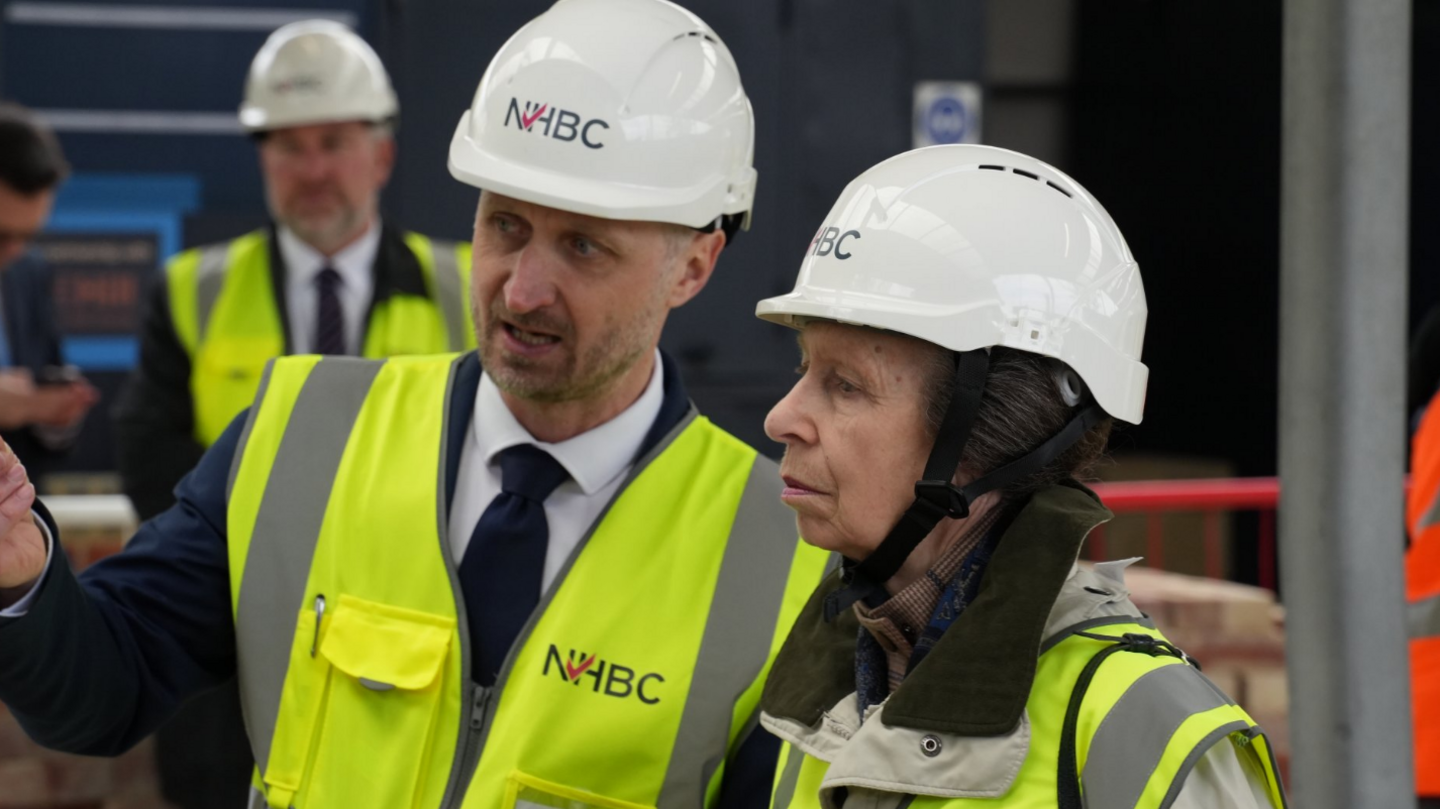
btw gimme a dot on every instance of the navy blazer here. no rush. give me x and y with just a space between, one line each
99 661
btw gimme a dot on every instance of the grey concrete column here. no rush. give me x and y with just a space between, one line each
1345 167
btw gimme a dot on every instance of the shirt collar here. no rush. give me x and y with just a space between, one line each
353 263
593 458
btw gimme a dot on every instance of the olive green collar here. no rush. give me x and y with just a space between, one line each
976 680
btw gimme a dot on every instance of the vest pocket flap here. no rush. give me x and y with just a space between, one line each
385 646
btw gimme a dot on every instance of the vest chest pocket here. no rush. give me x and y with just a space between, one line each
372 732
528 792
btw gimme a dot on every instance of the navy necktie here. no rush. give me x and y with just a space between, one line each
504 565
329 318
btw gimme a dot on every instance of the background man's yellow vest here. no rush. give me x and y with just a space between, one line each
223 306
639 673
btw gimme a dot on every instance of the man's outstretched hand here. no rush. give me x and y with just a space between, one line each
22 546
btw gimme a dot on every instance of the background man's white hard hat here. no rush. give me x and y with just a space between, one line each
622 109
973 246
313 72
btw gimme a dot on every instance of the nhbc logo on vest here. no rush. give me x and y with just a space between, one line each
617 680
557 123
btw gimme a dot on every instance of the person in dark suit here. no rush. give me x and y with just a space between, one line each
42 403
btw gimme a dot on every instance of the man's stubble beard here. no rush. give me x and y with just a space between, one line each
579 377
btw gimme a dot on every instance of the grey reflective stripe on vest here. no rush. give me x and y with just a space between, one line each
1432 514
1423 618
1211 739
749 591
449 294
785 787
1131 739
287 528
245 432
209 278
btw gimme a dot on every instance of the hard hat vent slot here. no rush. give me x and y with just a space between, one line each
701 34
1031 175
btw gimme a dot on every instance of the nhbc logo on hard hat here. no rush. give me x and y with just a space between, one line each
559 124
609 678
830 241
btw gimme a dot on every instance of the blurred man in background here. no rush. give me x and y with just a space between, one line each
326 277
42 402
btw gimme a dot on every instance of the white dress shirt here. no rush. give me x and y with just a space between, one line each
303 263
597 461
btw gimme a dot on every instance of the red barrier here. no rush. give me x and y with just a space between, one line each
1224 494
1211 497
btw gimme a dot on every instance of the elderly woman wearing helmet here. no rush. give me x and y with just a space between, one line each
970 322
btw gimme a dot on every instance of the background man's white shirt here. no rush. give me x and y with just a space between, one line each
357 286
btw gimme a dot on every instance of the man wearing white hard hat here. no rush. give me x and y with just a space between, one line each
528 576
326 277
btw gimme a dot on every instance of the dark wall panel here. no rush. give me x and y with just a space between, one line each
1177 132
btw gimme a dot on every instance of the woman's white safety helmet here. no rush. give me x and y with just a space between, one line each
315 72
972 246
621 109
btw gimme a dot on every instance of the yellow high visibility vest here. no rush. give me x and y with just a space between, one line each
223 307
639 672
1164 715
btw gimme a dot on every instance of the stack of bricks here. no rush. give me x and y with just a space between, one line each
1235 631
32 777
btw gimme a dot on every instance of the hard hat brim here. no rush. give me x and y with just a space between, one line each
256 120
1106 372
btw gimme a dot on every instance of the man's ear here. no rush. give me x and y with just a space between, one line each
698 263
385 159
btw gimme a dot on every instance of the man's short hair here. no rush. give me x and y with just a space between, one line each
30 156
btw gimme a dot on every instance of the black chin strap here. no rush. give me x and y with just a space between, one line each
936 497
729 223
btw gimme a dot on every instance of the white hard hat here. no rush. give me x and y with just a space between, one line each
621 109
972 246
313 72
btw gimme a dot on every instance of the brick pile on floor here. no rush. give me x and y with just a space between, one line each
1236 632
32 777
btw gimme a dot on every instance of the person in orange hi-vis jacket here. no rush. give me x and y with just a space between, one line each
1422 591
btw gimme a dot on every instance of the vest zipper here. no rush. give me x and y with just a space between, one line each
472 720
470 756
467 753
474 732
